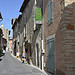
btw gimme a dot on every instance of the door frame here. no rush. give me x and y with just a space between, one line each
48 38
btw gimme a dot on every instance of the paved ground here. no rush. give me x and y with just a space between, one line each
12 66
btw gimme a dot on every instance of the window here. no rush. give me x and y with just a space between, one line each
49 12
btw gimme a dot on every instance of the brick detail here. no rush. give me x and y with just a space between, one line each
68 35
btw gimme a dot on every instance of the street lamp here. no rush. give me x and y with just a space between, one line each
1 17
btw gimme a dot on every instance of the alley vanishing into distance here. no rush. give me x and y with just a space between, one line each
11 66
41 34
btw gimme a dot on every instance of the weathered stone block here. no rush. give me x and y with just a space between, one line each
70 73
69 31
67 47
64 28
67 11
69 37
69 18
70 50
70 27
70 6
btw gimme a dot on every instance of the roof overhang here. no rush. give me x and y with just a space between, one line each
24 5
14 23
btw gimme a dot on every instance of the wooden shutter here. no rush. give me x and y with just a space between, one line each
50 56
49 12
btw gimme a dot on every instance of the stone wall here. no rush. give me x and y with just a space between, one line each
49 30
65 37
31 35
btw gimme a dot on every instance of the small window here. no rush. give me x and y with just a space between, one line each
49 12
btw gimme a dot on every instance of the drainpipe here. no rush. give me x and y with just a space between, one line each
42 39
35 28
34 15
42 52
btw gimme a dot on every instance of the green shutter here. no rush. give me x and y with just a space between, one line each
49 12
50 56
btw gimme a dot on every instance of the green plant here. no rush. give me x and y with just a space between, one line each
26 42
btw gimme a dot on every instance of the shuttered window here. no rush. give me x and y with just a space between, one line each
50 56
49 12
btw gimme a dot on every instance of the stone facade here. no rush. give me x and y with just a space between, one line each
50 30
26 32
20 34
63 28
10 44
6 34
14 40
66 41
58 35
32 36
1 36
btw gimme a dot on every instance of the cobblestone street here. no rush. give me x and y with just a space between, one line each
12 66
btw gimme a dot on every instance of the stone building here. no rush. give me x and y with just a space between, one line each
20 35
6 34
10 43
4 42
32 32
66 42
29 34
1 36
59 32
14 39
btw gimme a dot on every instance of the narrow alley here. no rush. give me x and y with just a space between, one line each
37 37
11 66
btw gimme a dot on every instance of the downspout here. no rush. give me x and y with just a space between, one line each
42 39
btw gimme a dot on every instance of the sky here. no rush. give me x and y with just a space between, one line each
9 9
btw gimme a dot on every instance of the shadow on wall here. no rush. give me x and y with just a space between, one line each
59 72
